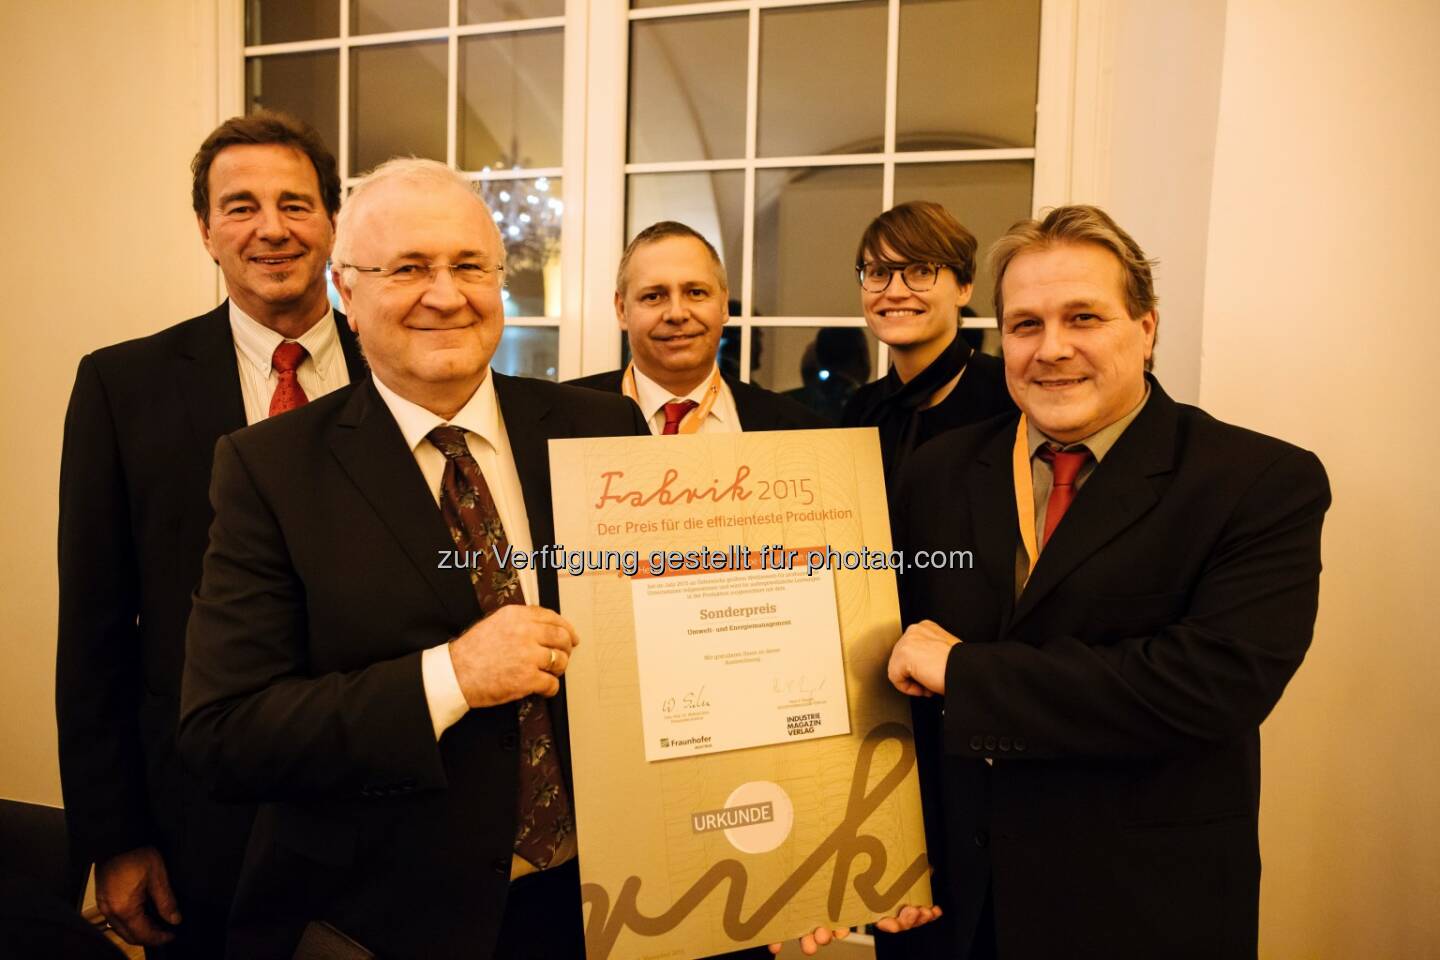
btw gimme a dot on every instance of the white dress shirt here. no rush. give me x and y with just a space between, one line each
490 446
322 371
653 397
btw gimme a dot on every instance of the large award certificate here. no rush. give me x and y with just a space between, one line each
743 769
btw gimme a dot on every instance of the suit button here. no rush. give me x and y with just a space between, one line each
977 742
1004 744
982 838
511 742
501 866
1019 745
989 743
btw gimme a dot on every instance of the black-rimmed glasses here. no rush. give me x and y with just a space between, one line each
919 277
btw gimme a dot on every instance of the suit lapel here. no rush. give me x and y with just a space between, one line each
522 408
991 491
371 449
744 407
210 381
1119 492
350 346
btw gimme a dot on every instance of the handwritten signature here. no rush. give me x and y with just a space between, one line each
691 700
803 685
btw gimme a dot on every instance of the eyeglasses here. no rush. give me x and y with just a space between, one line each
919 277
466 273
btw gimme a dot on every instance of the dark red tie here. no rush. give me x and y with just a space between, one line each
1066 465
675 411
545 820
288 392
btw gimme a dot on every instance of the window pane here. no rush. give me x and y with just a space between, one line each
284 21
643 4
397 103
986 197
968 73
712 203
687 88
511 96
306 85
489 11
385 16
529 213
528 352
822 80
819 366
807 225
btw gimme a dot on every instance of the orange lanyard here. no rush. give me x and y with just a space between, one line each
1025 494
695 417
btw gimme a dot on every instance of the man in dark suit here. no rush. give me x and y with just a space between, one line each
672 301
139 438
1144 586
360 659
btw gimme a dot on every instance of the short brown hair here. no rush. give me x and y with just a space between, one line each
922 232
265 127
1076 224
664 230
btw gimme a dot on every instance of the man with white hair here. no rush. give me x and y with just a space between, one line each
361 662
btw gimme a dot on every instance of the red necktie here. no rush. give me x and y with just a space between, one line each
288 392
1066 466
675 411
545 818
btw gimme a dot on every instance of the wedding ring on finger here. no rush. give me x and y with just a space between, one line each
550 667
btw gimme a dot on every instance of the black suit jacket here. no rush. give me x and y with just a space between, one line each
1120 698
758 408
140 435
303 689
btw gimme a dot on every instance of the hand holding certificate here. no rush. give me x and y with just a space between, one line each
743 768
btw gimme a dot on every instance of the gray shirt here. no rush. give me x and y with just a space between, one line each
1042 476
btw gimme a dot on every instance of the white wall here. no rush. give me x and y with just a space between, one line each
105 103
1320 327
1147 95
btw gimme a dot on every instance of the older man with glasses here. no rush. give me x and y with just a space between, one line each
361 662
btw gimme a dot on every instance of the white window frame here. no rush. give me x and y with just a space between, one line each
594 139
608 130
571 172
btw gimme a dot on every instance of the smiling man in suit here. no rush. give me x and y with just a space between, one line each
359 661
139 437
1146 585
672 301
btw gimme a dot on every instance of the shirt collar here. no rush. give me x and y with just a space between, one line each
480 415
257 342
652 396
1099 442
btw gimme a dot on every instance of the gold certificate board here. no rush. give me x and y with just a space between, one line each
743 769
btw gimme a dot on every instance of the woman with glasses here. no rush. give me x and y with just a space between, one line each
916 265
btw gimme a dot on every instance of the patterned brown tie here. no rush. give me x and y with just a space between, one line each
288 393
546 821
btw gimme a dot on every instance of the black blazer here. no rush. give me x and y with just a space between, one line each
1120 698
303 688
758 408
140 435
